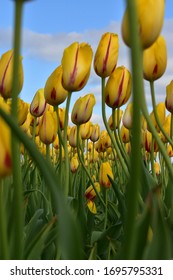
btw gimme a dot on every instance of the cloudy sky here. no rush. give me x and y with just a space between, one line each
49 26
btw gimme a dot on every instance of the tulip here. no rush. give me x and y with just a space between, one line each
90 195
161 112
22 111
25 126
156 168
73 137
166 128
105 171
169 97
54 92
74 164
106 55
147 141
118 88
48 127
6 74
95 133
125 134
150 17
82 109
5 144
85 131
38 104
155 60
127 117
56 143
76 64
170 150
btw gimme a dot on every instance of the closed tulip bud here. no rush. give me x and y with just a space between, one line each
38 104
118 88
82 109
5 144
56 143
85 130
125 134
106 55
6 74
166 128
147 141
169 97
74 164
73 137
161 112
156 168
106 140
54 92
76 65
155 60
25 126
48 127
170 150
95 133
22 111
90 193
150 16
104 172
127 117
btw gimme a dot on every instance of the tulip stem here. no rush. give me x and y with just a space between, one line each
59 129
67 167
18 217
84 167
152 158
34 128
156 114
3 233
109 131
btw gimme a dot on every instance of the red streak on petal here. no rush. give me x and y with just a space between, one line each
36 110
53 94
107 55
7 161
73 74
155 69
116 103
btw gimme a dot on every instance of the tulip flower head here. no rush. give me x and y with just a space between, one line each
54 92
105 171
95 133
118 88
82 109
169 97
90 195
150 15
76 65
106 55
127 117
38 104
48 127
6 74
155 60
74 163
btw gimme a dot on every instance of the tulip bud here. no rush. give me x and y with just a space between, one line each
85 131
22 111
118 117
95 133
76 64
90 193
105 171
127 117
5 144
106 55
48 127
125 134
166 128
54 92
170 150
73 137
156 168
82 109
38 104
6 74
118 88
161 112
169 97
150 16
74 163
155 60
25 126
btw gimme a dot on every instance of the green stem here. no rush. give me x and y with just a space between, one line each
152 158
34 128
59 129
109 131
3 231
84 167
135 179
106 209
67 167
156 114
18 218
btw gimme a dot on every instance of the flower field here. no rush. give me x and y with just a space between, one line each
81 192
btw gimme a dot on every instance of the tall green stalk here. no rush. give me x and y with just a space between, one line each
3 227
135 178
18 218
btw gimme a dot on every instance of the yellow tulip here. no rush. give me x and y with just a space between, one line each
48 127
38 104
118 88
150 15
170 150
156 168
161 112
85 131
82 109
22 111
74 164
90 193
5 144
169 97
125 134
54 92
6 73
166 128
127 117
76 64
104 172
73 137
95 133
106 55
117 121
155 60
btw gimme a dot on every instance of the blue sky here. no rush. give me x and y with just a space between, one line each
51 25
